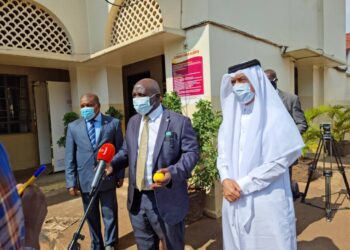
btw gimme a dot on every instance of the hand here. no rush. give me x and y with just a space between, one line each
231 190
34 210
73 191
165 181
109 169
120 183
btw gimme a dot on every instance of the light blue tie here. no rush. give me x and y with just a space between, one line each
92 133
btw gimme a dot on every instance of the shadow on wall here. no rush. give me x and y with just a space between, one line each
319 243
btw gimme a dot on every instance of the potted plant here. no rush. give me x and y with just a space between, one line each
172 101
204 180
339 118
114 113
67 118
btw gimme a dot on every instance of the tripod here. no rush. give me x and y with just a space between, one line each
74 245
327 144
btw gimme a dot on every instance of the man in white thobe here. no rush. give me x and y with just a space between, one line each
258 141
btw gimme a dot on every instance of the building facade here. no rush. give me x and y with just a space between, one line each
52 52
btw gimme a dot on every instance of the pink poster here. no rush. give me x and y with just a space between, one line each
188 77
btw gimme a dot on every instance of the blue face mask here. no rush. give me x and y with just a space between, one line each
243 93
87 113
142 105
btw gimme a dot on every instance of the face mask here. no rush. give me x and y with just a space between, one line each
243 93
142 105
87 113
274 83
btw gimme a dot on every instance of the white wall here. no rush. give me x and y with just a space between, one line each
73 16
229 48
196 39
296 24
335 88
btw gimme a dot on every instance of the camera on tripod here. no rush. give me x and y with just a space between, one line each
325 129
326 144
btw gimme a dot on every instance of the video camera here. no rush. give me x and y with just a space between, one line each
325 129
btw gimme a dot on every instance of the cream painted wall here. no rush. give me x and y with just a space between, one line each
335 88
334 38
229 48
115 85
306 85
196 39
73 16
97 17
22 150
295 24
171 13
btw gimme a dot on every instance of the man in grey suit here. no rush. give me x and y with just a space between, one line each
84 138
157 140
292 104
290 101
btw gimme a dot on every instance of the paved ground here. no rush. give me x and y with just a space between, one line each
314 232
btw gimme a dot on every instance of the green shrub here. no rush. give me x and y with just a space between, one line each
67 118
206 123
172 101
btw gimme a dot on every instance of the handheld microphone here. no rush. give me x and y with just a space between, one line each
104 155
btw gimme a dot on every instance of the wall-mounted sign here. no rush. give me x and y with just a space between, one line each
188 74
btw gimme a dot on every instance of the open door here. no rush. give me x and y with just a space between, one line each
60 102
42 122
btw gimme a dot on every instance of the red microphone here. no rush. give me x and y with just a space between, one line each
106 152
104 155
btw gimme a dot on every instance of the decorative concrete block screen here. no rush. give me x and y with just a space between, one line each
25 25
134 19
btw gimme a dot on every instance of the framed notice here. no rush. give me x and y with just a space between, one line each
187 71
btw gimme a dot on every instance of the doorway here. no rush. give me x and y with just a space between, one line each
132 73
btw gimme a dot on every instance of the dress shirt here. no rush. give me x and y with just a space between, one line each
155 118
261 176
98 125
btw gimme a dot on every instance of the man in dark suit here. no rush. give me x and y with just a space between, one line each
292 104
84 138
157 140
290 101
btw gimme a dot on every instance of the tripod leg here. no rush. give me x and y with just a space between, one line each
341 169
328 176
312 169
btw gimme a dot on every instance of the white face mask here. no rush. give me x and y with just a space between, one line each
142 105
243 92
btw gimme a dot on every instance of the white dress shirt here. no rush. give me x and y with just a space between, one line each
155 118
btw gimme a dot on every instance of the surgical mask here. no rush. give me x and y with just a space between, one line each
243 93
142 105
274 83
87 113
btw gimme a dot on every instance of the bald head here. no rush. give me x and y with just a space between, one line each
148 87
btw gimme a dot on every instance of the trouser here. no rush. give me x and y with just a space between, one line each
149 227
109 209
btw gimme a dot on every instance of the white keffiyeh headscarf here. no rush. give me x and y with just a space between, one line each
271 134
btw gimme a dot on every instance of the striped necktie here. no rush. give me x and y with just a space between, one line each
92 133
142 156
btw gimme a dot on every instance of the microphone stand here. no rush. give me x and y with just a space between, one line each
74 245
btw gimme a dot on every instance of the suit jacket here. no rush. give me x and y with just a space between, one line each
80 156
292 104
179 151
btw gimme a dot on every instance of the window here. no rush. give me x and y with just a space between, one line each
14 104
